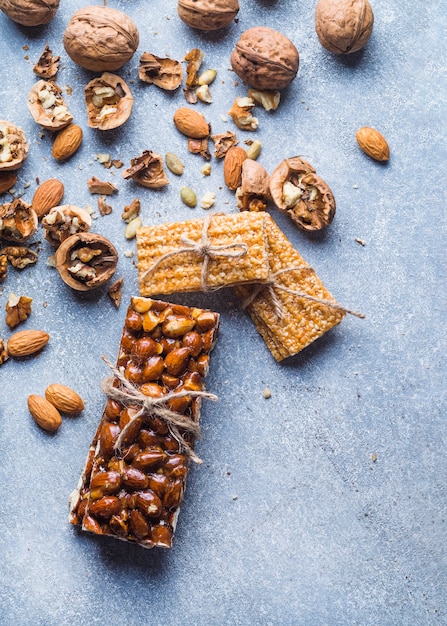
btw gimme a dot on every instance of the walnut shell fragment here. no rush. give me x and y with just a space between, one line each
86 261
223 142
109 101
254 191
343 26
100 38
101 187
13 146
207 14
46 105
115 290
30 12
163 72
64 221
302 195
265 59
48 65
147 170
18 221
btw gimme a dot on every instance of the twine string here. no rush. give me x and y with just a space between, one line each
273 285
202 248
128 394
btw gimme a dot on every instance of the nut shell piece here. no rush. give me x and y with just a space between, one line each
343 26
63 221
18 221
100 38
207 14
30 12
109 101
46 105
302 195
254 191
102 265
265 59
13 146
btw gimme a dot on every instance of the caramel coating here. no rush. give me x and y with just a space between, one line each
343 26
265 59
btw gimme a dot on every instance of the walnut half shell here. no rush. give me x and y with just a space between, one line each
30 12
47 106
343 26
302 195
64 221
254 192
18 221
13 146
265 59
86 261
100 38
109 102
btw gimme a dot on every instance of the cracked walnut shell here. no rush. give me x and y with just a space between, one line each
100 38
46 105
163 72
30 12
147 170
254 191
64 221
18 221
265 59
343 26
109 102
86 261
207 14
302 195
13 146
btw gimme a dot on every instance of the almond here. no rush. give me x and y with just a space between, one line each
44 413
64 399
233 167
26 342
48 195
67 142
373 143
191 123
7 181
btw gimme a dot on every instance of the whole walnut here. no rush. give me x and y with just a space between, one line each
30 12
100 39
208 14
343 26
265 59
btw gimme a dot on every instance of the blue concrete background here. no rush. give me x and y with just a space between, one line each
325 504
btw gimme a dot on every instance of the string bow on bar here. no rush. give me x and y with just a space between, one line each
128 394
202 248
273 285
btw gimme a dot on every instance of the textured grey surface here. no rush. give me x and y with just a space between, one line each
288 521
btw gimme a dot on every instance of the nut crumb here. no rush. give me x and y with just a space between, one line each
355 186
360 241
128 253
373 457
267 393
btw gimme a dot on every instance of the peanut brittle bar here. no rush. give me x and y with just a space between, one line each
287 321
135 476
203 254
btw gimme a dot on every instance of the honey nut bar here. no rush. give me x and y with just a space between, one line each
134 478
203 254
287 322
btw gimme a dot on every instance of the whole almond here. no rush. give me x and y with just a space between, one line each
191 123
373 143
26 342
67 142
64 399
48 195
233 167
44 413
7 181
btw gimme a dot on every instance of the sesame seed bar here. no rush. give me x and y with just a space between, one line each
182 271
288 323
